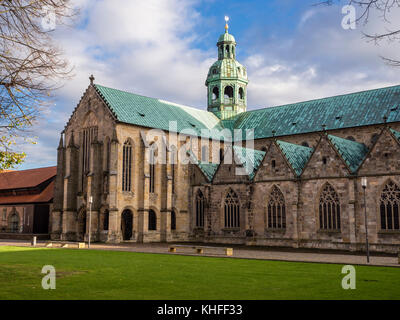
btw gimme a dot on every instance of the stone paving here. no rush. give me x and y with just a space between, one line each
261 253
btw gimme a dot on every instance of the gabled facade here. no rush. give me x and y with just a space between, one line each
160 171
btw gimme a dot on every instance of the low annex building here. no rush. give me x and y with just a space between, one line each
295 182
26 200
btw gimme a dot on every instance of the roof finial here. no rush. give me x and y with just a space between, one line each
226 24
91 78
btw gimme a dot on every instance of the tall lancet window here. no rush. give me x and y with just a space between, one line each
89 135
329 209
199 209
232 210
152 167
276 209
127 167
389 207
173 168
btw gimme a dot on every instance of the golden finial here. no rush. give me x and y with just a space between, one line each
226 24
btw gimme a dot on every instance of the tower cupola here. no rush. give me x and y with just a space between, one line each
227 80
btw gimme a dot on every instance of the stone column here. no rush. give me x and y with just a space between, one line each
114 229
168 204
56 213
352 237
69 216
143 209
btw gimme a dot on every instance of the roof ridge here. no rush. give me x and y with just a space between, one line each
158 99
294 144
319 99
13 171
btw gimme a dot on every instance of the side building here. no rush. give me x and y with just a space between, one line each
26 200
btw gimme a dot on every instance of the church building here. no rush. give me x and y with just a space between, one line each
149 170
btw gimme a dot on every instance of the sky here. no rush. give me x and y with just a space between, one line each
293 51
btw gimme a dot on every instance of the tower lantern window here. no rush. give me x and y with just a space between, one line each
241 93
215 93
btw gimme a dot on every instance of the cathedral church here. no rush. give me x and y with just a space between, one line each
142 169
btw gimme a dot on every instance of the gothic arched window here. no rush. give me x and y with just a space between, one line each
127 167
329 209
173 167
152 168
173 220
199 209
276 209
232 210
152 220
389 206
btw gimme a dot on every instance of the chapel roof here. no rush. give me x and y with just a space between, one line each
21 179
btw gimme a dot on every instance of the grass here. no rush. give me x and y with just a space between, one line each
96 274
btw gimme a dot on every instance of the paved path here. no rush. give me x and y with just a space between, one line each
260 253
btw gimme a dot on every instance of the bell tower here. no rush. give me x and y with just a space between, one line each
227 80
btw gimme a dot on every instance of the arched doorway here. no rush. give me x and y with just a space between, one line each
127 224
82 225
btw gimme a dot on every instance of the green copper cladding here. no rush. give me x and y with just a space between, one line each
296 155
227 81
155 113
396 134
344 111
207 168
250 159
353 153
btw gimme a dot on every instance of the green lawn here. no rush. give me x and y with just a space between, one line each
95 274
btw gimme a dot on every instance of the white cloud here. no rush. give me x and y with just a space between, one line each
149 47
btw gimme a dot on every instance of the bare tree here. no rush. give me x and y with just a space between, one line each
31 66
383 8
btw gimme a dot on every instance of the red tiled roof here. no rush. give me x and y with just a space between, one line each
45 196
26 178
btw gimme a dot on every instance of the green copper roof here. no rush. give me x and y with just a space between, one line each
226 37
209 169
249 158
227 69
351 110
155 113
353 153
396 134
296 155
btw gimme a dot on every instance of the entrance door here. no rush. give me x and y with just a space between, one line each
127 224
41 219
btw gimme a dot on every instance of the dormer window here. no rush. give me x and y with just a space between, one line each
214 71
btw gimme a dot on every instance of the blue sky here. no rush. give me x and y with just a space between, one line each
293 51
